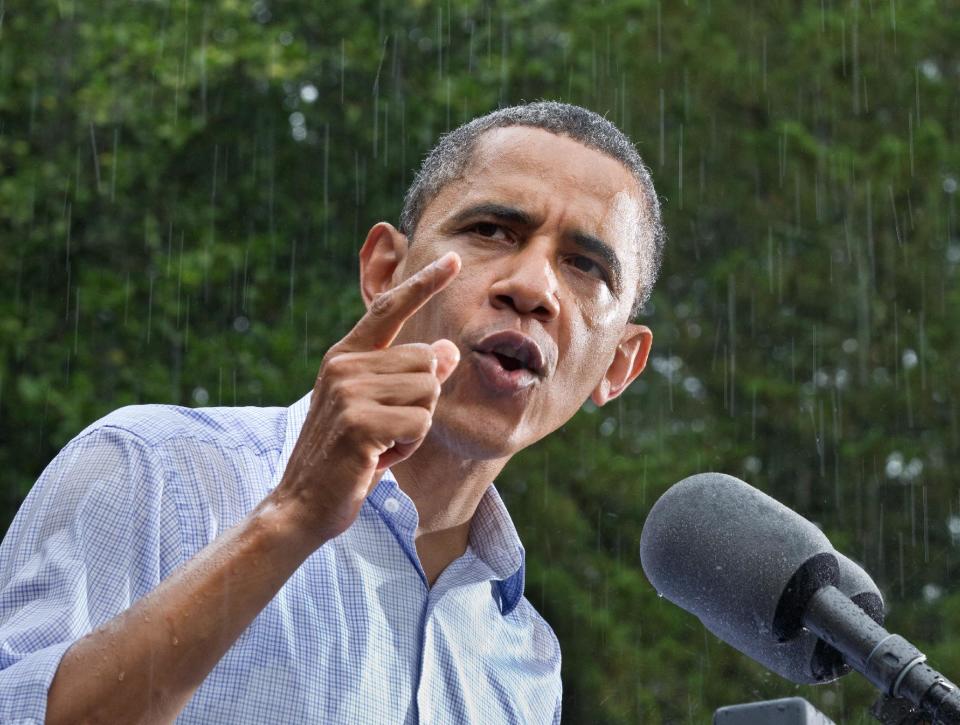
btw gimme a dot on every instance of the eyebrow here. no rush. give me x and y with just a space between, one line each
586 242
498 211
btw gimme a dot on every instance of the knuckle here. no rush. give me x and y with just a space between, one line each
425 281
333 365
351 420
341 391
382 305
420 284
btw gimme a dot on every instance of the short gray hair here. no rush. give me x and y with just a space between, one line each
448 161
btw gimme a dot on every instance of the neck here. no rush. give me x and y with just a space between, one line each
446 489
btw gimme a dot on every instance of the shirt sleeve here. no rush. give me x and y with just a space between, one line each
94 534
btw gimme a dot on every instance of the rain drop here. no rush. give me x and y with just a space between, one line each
894 465
932 592
309 93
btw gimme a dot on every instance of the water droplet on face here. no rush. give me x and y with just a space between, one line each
121 676
174 641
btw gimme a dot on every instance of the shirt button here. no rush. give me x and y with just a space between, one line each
391 505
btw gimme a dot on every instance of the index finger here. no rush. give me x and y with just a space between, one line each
378 328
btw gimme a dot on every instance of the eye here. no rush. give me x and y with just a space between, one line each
589 267
489 229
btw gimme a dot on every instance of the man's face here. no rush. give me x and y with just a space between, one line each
547 230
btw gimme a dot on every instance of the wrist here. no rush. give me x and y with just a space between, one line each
287 525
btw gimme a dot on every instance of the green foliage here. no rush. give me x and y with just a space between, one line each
180 223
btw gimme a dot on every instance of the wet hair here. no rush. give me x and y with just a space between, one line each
449 159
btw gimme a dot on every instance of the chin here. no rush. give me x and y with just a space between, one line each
487 441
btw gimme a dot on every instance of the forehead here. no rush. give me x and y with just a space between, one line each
537 148
549 176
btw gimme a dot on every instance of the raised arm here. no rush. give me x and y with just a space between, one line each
371 407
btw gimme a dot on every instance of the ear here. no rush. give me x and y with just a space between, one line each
381 255
628 362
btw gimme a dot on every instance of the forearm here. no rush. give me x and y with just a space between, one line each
144 664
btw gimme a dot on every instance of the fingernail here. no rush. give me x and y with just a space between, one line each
445 262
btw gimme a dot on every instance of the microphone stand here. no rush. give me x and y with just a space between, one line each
888 661
893 711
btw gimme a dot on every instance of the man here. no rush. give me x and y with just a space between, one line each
348 560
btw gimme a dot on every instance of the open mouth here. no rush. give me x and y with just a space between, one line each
510 360
504 374
509 363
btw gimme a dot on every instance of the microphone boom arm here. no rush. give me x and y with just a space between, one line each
888 661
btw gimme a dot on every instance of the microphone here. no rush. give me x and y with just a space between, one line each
768 582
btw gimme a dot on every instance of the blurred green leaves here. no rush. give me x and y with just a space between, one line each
184 187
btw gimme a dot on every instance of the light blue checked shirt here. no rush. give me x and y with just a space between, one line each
355 635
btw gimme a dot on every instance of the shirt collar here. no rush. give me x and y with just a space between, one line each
493 537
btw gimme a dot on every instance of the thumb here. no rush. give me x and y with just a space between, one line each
447 358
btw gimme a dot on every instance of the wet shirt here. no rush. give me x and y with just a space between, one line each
354 636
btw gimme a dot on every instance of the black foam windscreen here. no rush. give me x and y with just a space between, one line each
743 563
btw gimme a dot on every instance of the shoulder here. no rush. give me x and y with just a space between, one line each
542 641
138 455
541 687
158 425
141 469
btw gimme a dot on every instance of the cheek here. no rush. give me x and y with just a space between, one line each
589 352
599 312
468 287
449 308
592 304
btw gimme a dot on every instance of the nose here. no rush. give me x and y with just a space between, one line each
528 283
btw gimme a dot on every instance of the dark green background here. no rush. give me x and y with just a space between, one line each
164 237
